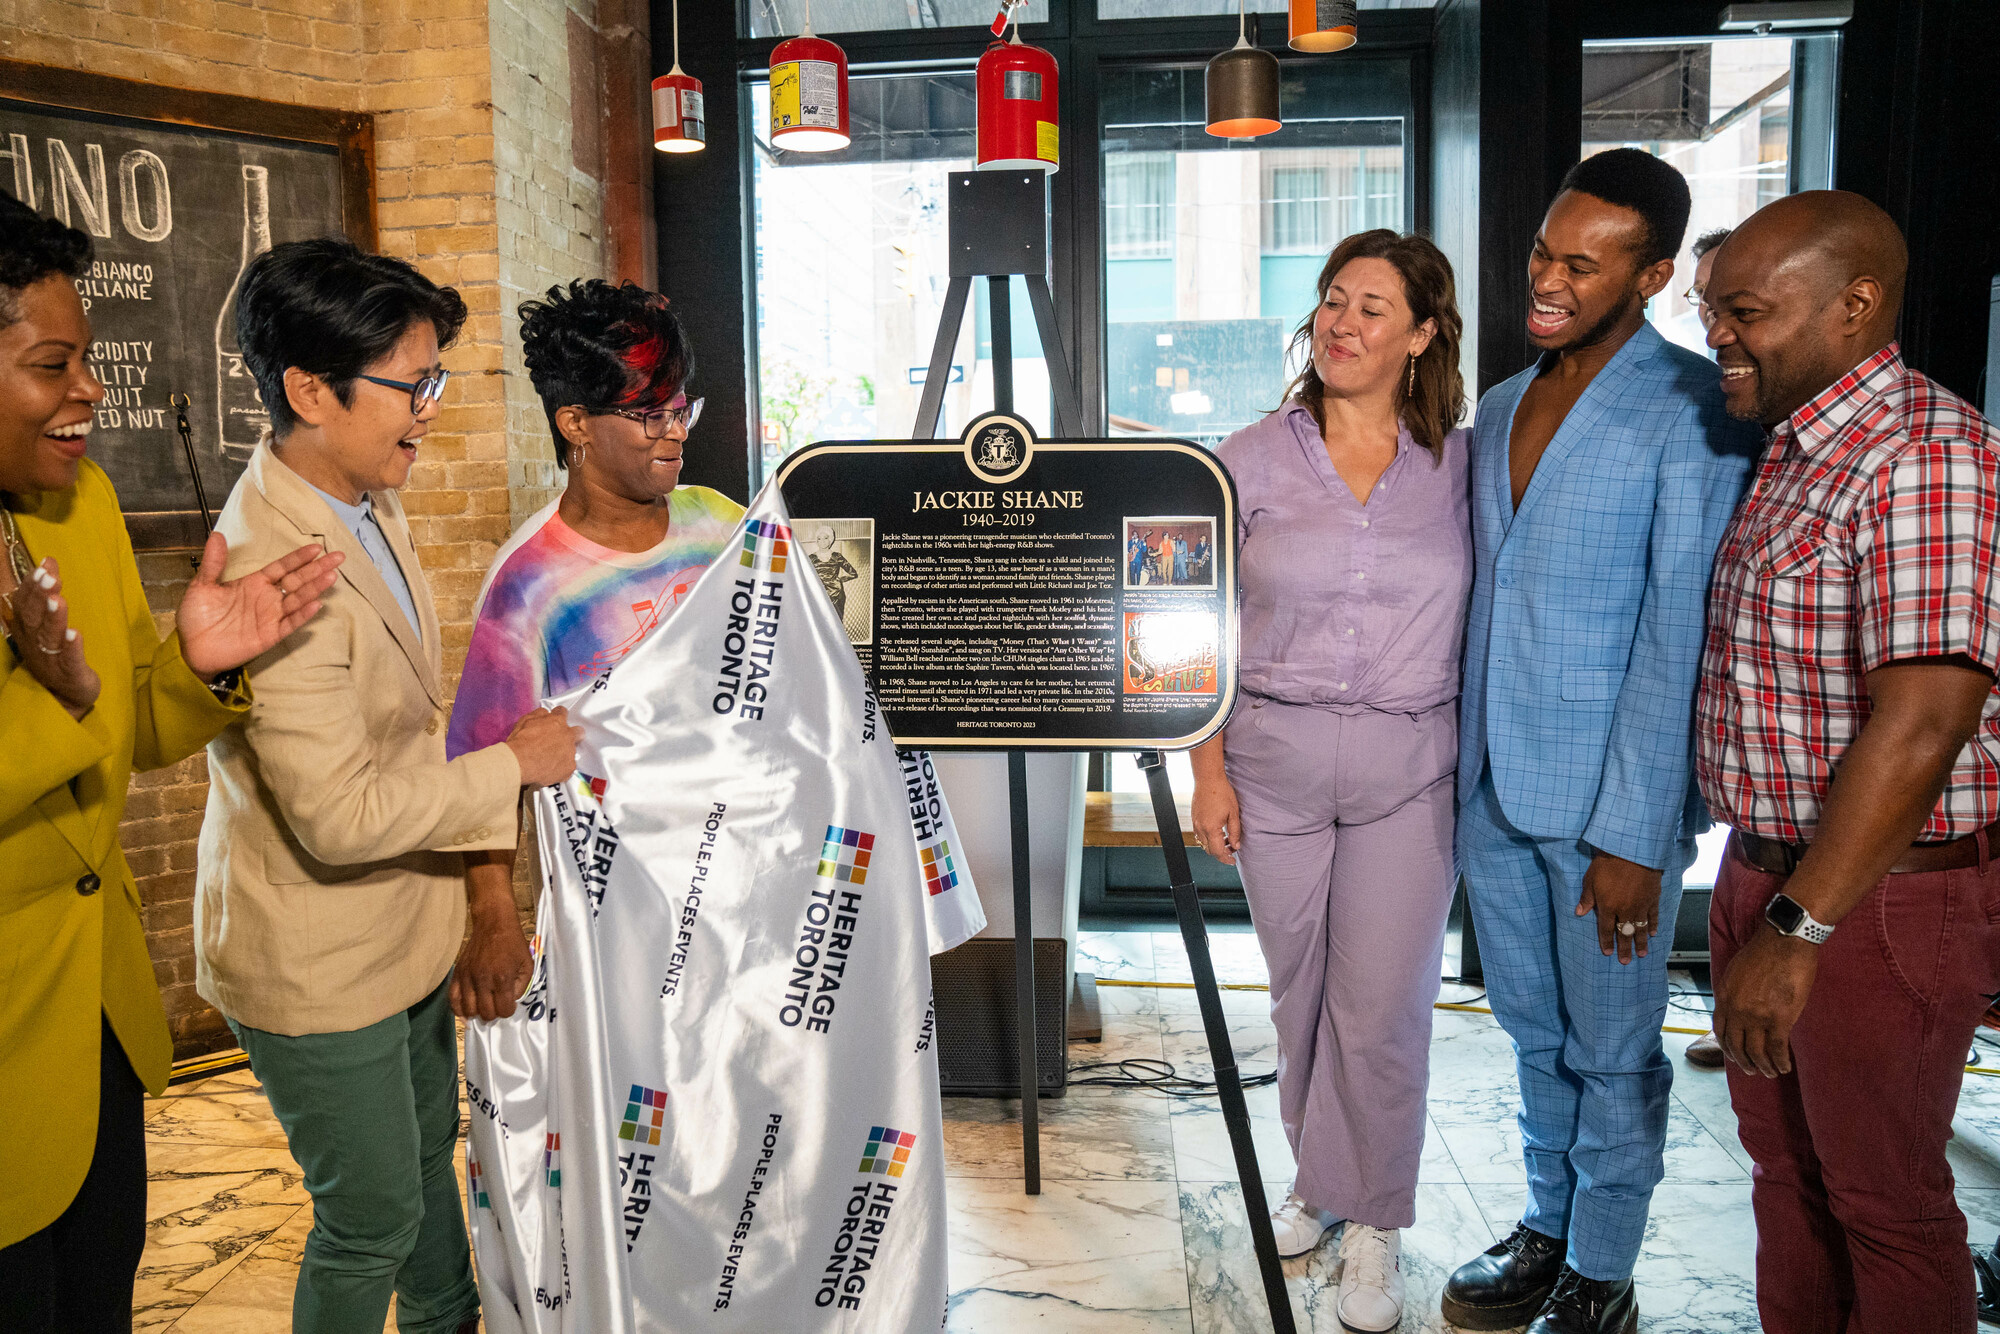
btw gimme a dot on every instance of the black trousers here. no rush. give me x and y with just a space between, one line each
75 1275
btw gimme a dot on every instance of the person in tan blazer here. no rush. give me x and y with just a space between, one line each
89 693
330 902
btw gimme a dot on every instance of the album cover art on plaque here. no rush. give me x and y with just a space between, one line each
1170 652
1172 551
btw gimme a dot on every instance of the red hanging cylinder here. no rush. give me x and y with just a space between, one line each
678 123
1017 108
809 95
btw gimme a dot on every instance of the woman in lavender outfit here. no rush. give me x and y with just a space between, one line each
1332 787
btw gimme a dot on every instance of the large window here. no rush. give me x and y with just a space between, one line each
851 273
1722 111
1207 251
1213 247
1746 120
782 18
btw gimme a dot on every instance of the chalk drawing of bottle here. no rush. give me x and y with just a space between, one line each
240 416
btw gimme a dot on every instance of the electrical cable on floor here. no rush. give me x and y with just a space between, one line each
1158 1077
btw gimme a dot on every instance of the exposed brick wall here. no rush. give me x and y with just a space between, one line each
477 185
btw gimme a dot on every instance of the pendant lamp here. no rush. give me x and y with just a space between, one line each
678 123
1323 25
808 93
1242 88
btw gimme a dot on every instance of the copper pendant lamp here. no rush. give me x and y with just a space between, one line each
1242 88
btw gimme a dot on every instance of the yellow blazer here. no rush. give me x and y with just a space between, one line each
330 891
71 940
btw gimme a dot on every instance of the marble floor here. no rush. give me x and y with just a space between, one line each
1139 1228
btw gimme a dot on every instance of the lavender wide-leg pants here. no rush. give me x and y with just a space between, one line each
1347 863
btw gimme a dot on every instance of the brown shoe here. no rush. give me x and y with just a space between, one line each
1705 1053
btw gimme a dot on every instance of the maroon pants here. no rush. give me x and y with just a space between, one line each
1857 1229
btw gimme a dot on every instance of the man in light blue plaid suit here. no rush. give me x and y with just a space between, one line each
1602 479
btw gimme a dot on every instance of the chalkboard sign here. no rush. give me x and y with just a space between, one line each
1004 591
176 211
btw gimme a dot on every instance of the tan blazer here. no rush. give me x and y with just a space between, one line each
331 891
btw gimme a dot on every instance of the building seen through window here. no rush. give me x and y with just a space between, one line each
1213 247
1746 120
1721 110
851 271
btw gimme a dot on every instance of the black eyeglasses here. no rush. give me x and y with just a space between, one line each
659 420
427 390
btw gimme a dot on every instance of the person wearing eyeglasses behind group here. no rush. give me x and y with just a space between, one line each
585 579
329 900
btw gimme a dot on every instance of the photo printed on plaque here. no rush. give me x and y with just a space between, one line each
842 552
1169 551
1170 652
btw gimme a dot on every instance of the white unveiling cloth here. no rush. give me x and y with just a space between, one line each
716 1108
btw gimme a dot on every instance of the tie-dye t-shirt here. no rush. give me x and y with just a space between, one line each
559 610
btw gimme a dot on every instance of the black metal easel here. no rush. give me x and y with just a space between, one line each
999 227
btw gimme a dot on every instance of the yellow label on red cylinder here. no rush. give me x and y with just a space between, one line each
805 92
1045 140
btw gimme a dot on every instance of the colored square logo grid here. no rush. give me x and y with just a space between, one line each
758 530
476 1186
940 871
552 1146
845 854
644 1112
888 1151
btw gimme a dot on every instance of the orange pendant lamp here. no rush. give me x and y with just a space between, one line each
1323 25
809 93
678 123
1241 89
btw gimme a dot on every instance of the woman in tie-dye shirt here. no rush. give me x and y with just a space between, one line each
584 580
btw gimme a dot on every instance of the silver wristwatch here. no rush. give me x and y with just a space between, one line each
1789 919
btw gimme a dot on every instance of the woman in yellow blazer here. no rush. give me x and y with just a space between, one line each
88 693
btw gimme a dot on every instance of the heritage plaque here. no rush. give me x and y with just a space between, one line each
1004 591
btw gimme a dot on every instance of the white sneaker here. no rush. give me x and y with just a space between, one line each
1371 1278
1298 1226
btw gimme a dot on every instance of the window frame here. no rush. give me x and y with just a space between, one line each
1084 47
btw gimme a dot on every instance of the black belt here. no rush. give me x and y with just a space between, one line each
1775 858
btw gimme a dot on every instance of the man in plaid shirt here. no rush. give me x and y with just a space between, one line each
1852 632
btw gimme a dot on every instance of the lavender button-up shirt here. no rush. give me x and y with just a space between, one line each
1348 605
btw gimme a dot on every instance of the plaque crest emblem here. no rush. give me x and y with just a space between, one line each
998 447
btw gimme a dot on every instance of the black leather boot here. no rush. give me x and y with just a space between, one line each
1508 1285
1582 1305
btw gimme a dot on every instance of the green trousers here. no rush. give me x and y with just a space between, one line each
372 1117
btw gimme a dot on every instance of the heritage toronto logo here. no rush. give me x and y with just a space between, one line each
888 1151
857 1244
644 1112
940 871
552 1160
845 854
766 545
750 632
475 1185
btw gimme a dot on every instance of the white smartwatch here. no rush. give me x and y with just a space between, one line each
1789 919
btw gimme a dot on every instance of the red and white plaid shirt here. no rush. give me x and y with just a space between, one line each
1872 534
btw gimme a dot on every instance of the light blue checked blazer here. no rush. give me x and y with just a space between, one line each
1588 604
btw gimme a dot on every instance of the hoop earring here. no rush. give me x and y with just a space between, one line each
575 456
1411 390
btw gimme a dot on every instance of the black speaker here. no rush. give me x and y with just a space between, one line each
972 988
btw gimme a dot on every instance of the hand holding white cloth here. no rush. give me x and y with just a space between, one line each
717 1106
